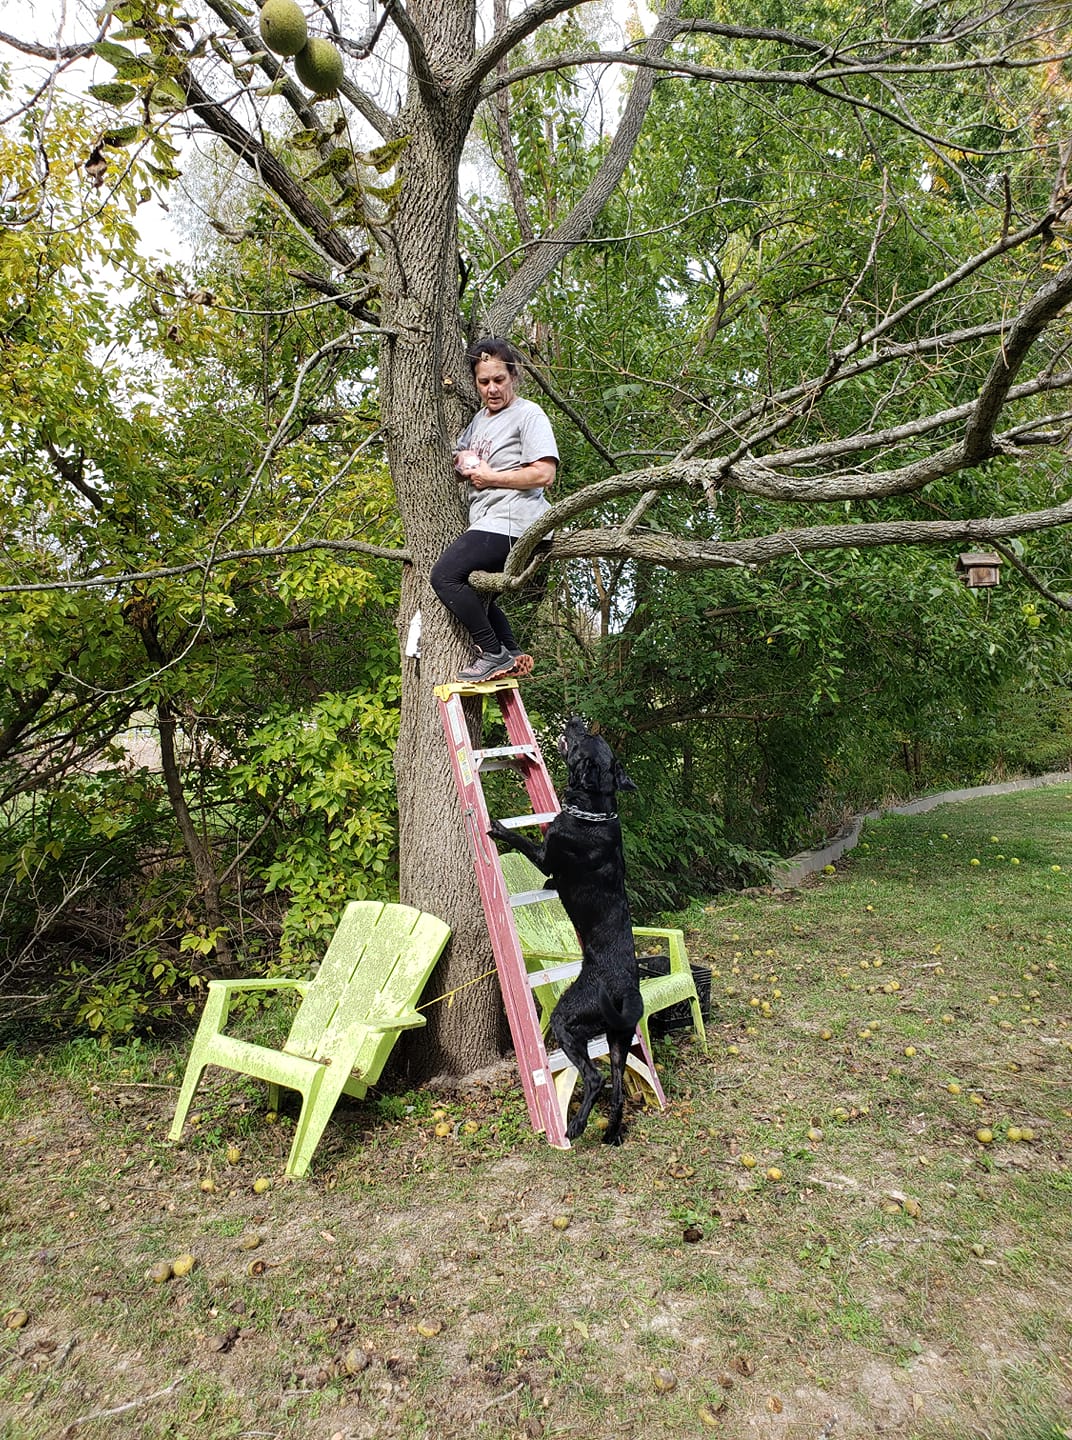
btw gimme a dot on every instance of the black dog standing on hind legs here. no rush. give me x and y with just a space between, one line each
582 854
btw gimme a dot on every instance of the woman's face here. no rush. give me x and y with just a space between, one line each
495 385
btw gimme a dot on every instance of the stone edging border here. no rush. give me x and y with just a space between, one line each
788 873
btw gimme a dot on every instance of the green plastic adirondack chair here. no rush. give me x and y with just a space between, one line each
548 938
352 1012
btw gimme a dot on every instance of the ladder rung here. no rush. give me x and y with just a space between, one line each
497 752
567 971
558 1059
518 822
532 897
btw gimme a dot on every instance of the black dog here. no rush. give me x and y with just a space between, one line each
582 855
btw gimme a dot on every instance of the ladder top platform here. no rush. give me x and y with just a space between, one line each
485 687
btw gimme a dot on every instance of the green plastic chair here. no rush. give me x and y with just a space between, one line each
351 1013
548 938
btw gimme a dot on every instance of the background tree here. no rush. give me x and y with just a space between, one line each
860 305
217 426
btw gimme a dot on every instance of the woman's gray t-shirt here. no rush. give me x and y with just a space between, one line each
515 436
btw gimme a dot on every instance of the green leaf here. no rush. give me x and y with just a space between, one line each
125 135
113 93
385 157
114 54
167 94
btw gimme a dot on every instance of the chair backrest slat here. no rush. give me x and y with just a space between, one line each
375 967
333 978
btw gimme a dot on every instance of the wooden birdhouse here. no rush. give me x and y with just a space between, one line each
979 567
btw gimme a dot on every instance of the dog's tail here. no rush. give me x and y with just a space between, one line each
623 1017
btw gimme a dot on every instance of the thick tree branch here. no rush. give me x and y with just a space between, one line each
275 175
672 552
1045 306
763 477
507 37
418 55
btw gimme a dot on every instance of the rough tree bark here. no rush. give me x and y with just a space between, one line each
422 380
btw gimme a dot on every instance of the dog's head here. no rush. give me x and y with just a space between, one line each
591 765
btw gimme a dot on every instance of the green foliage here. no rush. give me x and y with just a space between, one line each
326 774
135 431
767 226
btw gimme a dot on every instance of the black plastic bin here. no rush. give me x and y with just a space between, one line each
679 1016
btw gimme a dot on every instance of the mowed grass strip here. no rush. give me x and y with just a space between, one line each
853 1219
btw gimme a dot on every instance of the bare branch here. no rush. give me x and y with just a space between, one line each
838 372
1045 306
1061 601
506 144
224 557
521 287
48 52
817 80
567 409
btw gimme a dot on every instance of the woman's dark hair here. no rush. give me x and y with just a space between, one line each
491 348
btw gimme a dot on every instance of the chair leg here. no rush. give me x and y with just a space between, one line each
697 1022
318 1105
190 1081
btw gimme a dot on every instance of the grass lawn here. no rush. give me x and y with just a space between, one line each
854 1219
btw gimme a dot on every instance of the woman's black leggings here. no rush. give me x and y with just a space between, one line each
474 550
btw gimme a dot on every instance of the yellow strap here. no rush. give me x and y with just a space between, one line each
449 995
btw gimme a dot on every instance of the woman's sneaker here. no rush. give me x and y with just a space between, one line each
485 667
523 664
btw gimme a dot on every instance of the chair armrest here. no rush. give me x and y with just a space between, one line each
236 986
400 1020
675 943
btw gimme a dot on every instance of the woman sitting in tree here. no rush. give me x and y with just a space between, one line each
508 455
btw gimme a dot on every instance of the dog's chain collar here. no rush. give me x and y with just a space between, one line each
591 815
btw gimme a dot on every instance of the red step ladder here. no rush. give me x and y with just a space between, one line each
547 1078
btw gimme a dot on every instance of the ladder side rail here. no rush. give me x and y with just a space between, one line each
505 944
542 796
536 1076
541 791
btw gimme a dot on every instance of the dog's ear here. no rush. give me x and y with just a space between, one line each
621 779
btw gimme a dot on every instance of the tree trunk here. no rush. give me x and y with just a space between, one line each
422 376
208 885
